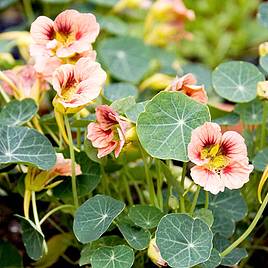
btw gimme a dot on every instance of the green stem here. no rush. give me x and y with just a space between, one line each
53 136
263 126
129 197
183 174
249 229
159 184
195 200
206 200
28 10
53 211
35 212
4 95
71 147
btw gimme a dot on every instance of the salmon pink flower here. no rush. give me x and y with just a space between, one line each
28 82
221 159
77 85
187 85
108 133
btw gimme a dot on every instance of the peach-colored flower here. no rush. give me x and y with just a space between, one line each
79 84
27 81
221 159
186 85
108 133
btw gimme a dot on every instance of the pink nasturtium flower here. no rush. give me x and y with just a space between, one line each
28 83
187 85
221 159
77 85
108 133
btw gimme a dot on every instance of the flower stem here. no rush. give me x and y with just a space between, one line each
183 174
263 126
206 200
28 10
159 184
129 197
35 212
249 229
71 147
195 200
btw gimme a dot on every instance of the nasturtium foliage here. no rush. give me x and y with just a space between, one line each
263 14
145 216
113 25
9 256
25 146
134 111
126 58
204 214
227 120
16 113
32 238
164 129
137 237
120 256
237 81
213 261
95 216
122 105
260 161
105 3
183 241
264 63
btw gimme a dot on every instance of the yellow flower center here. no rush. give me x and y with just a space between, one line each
65 39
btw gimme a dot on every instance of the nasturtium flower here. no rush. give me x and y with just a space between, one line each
154 254
187 85
262 89
221 158
27 83
108 133
77 85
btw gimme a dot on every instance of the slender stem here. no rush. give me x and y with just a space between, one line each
263 126
206 200
129 197
189 188
195 200
4 78
71 147
37 124
183 174
159 184
53 136
26 203
35 212
4 95
28 10
78 138
249 229
53 211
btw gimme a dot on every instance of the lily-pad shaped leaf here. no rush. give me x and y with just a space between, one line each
134 111
113 24
251 112
120 256
25 146
183 241
236 81
145 216
204 214
264 63
126 58
260 161
122 105
9 256
263 14
118 91
234 257
32 238
213 261
17 113
228 120
136 237
95 216
165 128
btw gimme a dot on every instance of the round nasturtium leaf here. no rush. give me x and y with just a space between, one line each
183 241
145 216
126 58
237 81
95 216
260 161
264 63
113 257
263 14
213 261
26 146
164 128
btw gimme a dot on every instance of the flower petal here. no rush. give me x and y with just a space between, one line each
64 23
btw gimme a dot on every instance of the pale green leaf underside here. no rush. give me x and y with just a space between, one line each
183 241
17 113
236 81
27 146
165 128
94 217
113 257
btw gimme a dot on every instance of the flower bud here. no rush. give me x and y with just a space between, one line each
173 202
157 81
131 135
154 254
262 89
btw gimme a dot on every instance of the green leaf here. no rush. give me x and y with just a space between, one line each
263 14
264 63
33 240
236 81
213 261
260 161
205 215
250 113
183 241
227 120
91 151
105 3
122 105
113 25
113 257
164 129
234 257
136 237
26 146
134 111
9 256
95 216
145 216
16 113
126 58
118 91
89 249
7 3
